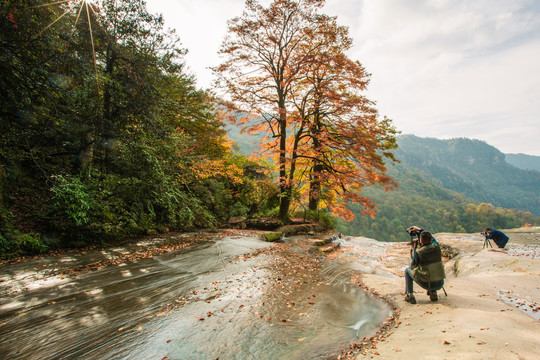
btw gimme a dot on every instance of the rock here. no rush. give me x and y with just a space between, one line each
272 237
151 232
237 222
290 230
263 223
316 242
329 247
163 229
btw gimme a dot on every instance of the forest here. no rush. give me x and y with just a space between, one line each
106 137
423 201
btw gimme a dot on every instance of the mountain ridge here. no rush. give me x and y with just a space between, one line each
524 161
473 168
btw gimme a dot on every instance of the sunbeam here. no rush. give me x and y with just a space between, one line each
77 7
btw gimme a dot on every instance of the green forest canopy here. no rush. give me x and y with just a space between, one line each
104 135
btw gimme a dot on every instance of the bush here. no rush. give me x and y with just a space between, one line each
323 217
17 244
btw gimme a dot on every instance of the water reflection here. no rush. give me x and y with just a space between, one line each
202 302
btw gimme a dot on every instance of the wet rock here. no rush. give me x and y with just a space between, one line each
272 237
316 242
329 247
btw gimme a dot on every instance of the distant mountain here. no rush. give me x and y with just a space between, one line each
523 161
473 168
457 185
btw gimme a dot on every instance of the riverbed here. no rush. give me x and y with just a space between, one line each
232 296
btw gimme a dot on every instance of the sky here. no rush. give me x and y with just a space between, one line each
439 68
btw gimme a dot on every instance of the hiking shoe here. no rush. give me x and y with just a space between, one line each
433 295
410 299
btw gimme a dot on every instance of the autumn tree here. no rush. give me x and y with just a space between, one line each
263 54
284 66
348 144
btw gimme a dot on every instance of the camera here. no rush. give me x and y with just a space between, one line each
483 233
414 232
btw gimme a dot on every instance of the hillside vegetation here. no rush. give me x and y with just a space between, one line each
473 168
457 185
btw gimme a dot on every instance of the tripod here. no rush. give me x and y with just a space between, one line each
487 243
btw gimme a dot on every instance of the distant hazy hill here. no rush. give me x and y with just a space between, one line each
473 168
524 161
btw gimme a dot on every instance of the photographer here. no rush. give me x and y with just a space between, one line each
497 236
426 268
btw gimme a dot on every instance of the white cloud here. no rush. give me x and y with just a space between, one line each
446 69
439 68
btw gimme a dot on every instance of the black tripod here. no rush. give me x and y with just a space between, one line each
487 242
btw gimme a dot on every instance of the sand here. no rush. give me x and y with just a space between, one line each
492 309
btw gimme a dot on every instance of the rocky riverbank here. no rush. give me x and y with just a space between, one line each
492 309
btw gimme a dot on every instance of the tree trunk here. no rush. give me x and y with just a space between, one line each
284 186
315 188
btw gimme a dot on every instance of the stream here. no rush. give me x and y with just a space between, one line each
230 297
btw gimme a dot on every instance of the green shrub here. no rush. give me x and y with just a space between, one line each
71 199
323 217
30 244
15 244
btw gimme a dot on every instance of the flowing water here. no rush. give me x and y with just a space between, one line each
211 300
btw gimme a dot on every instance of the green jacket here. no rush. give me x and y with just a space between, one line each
427 266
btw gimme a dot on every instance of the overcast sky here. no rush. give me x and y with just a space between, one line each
440 68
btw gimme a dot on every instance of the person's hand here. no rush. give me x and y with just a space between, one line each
414 228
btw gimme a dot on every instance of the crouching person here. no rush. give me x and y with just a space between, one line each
426 269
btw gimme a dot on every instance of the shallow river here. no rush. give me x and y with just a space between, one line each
211 300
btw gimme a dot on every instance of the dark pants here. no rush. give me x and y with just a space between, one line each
436 285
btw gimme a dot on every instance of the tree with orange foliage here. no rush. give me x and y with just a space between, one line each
283 66
349 144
